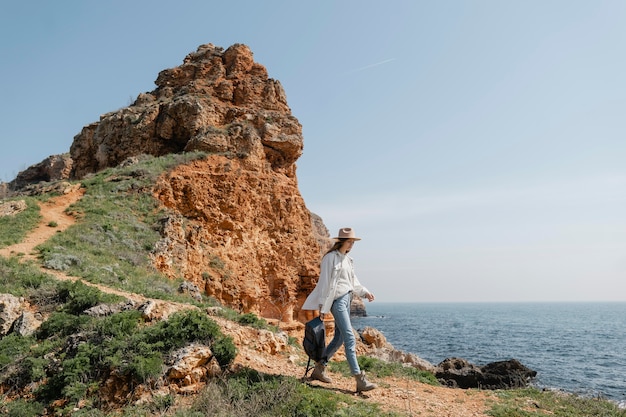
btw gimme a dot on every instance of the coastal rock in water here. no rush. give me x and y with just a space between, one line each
506 374
11 208
357 307
459 373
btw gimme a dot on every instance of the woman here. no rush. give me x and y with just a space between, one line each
333 293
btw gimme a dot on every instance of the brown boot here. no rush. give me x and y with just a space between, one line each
363 384
319 373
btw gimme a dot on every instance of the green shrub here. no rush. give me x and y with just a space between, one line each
251 319
224 350
161 403
78 296
120 342
61 324
12 347
21 408
144 368
183 328
61 261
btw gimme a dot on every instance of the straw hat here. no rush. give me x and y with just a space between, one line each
347 233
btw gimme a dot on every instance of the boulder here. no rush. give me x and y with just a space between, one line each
10 310
11 208
27 323
459 373
53 168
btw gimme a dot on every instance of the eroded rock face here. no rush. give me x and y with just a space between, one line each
242 233
217 101
53 168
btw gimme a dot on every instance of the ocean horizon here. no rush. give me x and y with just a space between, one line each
577 347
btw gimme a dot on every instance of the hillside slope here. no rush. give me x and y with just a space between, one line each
262 350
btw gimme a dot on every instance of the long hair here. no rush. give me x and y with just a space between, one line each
336 246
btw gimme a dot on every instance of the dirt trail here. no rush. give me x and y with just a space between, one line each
52 211
394 394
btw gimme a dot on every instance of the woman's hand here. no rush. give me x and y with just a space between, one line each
370 297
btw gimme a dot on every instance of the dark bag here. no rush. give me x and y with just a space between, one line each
314 342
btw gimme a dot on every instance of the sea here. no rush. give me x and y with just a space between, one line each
574 347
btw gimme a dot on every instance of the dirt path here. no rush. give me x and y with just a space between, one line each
52 211
394 394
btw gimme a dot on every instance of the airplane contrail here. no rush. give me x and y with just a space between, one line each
371 66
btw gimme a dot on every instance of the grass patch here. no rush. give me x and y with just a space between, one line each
532 402
22 279
14 228
72 354
381 369
112 242
252 393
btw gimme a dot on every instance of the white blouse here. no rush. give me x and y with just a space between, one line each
337 277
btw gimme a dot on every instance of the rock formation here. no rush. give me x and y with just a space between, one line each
217 101
239 228
459 373
53 168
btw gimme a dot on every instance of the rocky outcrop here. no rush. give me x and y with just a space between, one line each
217 101
53 168
190 368
16 317
459 373
241 232
238 227
375 344
11 208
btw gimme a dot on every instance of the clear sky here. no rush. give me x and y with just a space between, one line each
478 147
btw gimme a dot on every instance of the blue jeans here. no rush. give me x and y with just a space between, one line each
343 333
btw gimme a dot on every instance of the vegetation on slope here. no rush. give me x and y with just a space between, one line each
62 367
14 228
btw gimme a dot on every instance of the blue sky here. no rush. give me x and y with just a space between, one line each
476 146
